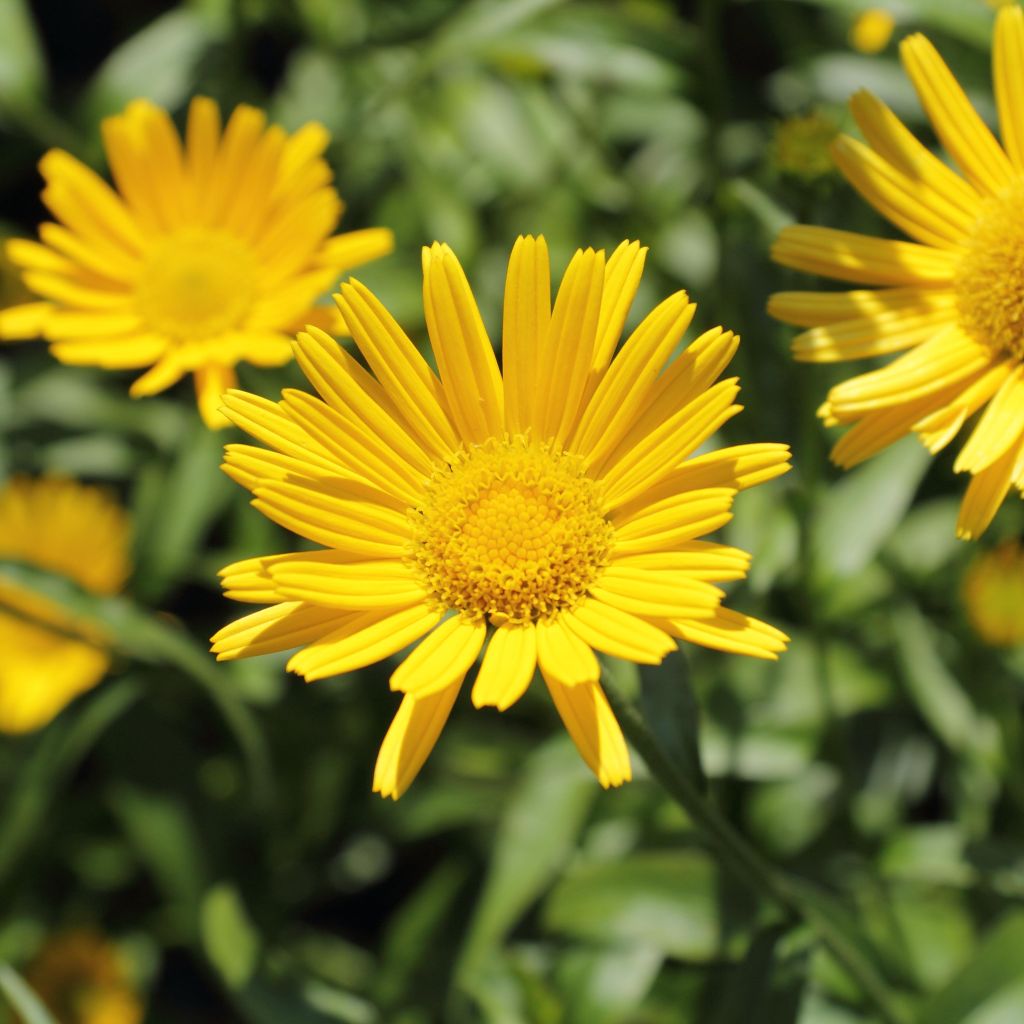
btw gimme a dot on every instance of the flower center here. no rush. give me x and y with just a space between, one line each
511 530
197 284
990 279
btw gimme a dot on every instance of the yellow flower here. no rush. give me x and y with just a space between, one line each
546 513
872 30
81 978
954 297
208 253
801 145
994 595
48 657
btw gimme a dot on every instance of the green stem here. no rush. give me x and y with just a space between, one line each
748 864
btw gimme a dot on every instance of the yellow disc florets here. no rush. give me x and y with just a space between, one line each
990 280
511 530
197 284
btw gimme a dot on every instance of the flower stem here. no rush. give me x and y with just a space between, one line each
749 865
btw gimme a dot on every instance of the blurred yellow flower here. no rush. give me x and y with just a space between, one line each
872 30
48 656
545 513
994 595
208 253
801 145
81 978
954 297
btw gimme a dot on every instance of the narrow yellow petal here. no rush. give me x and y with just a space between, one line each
212 381
591 723
618 633
1000 427
848 256
527 314
734 633
963 133
1008 73
563 656
507 668
816 309
361 640
925 215
864 337
567 354
410 739
277 628
441 659
346 585
985 493
465 357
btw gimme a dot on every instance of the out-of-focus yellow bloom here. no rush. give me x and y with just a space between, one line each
951 301
533 513
82 979
48 656
994 595
872 30
801 145
211 250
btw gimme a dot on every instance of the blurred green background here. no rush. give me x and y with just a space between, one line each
216 821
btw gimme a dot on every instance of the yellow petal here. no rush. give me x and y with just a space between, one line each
507 668
440 660
278 628
361 640
469 370
963 133
563 656
1008 72
618 633
410 739
527 314
735 633
591 724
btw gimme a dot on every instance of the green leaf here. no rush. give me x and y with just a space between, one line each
604 986
158 63
997 967
537 832
181 505
667 901
862 508
671 712
22 68
938 695
231 943
161 829
35 790
22 998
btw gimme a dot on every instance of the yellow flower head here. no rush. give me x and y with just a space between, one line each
81 978
954 297
994 595
872 30
48 657
801 145
545 512
210 251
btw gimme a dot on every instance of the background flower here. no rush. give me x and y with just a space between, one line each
208 251
954 297
49 655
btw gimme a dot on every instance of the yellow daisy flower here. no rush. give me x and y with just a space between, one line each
49 657
872 30
954 296
82 979
208 252
546 513
993 594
